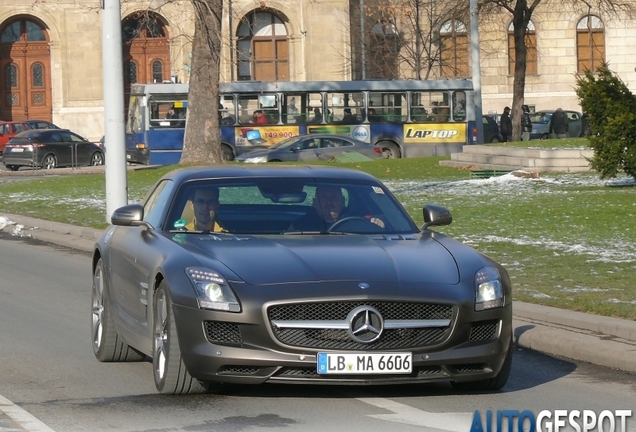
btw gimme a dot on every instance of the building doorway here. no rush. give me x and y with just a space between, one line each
25 59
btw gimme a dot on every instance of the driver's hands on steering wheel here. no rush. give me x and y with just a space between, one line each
379 222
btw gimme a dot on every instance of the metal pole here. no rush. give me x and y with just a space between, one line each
363 55
114 143
476 69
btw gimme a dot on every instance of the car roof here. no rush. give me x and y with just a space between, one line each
37 132
246 171
330 136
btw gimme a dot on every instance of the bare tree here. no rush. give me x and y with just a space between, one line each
521 12
403 35
202 142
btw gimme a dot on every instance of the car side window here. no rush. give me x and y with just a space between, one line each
157 202
76 138
18 128
56 137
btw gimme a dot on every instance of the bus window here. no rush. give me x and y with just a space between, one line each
227 110
388 107
345 108
135 119
459 106
290 108
430 107
167 113
258 109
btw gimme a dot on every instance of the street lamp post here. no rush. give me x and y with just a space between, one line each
114 142
476 69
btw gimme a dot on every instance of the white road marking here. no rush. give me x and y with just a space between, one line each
453 422
22 417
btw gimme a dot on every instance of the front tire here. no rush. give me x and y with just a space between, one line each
170 373
107 345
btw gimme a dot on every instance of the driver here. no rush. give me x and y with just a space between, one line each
327 208
205 203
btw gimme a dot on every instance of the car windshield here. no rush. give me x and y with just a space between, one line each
540 118
287 142
292 206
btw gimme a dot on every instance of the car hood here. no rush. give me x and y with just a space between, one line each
323 258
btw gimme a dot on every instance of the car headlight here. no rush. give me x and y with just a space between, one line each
258 159
488 289
213 291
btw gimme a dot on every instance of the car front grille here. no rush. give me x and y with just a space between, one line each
483 331
310 331
222 333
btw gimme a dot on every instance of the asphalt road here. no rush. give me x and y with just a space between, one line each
49 373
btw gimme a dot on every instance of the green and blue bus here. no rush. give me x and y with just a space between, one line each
406 118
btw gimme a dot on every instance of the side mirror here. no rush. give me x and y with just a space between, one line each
130 215
435 215
295 148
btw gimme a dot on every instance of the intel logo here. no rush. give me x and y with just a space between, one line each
361 133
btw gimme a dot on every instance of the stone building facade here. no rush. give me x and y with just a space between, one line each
51 51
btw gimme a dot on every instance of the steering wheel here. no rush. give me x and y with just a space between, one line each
345 219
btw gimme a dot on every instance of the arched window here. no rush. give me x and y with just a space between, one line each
37 75
382 61
131 72
454 52
11 76
590 43
157 71
263 49
23 30
531 49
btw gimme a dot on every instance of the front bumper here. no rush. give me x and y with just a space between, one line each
249 353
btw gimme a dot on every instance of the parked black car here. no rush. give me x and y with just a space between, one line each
491 130
51 148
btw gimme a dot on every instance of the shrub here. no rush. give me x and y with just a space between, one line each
611 110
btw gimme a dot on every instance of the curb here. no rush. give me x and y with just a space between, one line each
600 340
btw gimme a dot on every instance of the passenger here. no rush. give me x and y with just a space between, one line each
373 117
205 203
327 208
348 117
258 117
317 116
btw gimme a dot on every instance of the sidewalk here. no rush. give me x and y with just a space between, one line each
604 341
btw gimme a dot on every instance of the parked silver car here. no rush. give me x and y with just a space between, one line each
311 148
541 124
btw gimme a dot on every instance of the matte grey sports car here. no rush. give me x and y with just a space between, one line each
254 274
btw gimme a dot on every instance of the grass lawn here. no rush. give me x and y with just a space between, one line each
568 240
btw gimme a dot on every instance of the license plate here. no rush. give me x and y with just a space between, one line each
364 363
17 150
128 157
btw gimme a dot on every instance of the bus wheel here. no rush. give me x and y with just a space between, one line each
389 150
227 153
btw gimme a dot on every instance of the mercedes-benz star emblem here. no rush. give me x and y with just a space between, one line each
365 324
